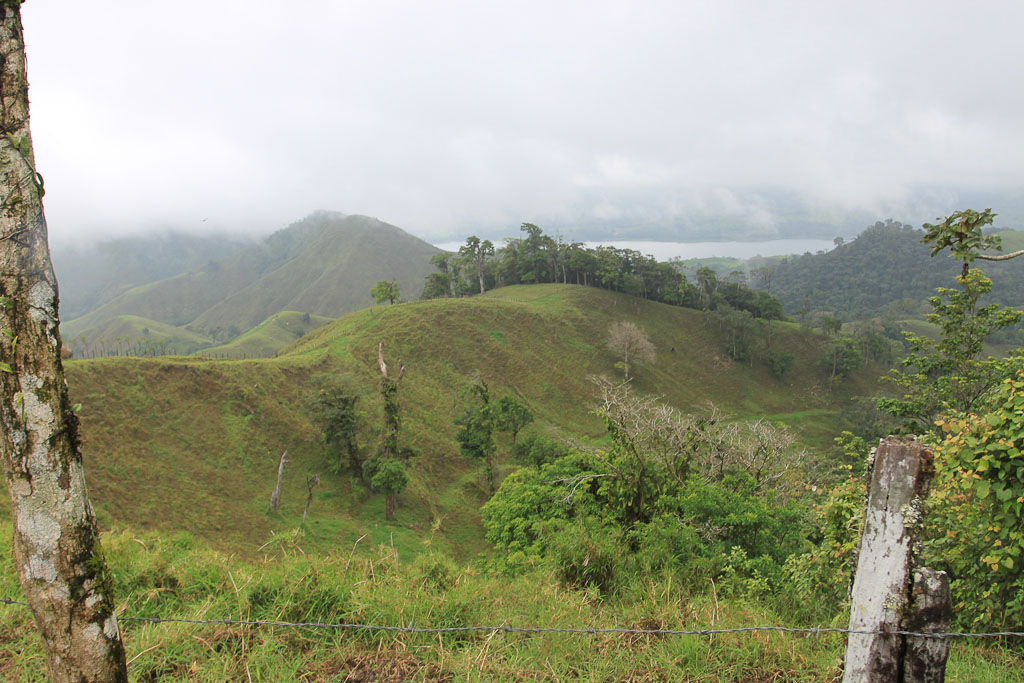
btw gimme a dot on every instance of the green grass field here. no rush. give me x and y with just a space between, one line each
194 444
267 338
182 453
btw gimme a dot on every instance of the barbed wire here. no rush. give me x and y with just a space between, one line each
551 629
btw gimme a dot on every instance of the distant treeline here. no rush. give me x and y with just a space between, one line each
536 258
885 272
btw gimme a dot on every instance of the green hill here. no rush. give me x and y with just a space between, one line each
884 266
134 336
269 337
324 265
179 443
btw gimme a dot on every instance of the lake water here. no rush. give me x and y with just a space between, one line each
663 251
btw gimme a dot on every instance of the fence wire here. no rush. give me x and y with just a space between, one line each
544 629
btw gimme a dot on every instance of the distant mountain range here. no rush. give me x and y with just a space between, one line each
324 265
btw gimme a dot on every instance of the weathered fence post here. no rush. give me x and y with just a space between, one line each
882 589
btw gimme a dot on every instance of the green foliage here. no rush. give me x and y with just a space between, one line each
219 427
514 517
672 493
536 258
780 362
162 575
336 411
385 290
831 325
511 416
387 475
976 523
738 330
327 259
475 254
476 437
535 450
819 579
963 233
841 357
948 376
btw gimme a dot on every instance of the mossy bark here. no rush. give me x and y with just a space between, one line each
56 543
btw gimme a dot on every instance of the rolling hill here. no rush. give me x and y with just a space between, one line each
194 444
135 336
323 265
269 337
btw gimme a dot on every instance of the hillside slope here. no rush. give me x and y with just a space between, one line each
325 265
885 264
176 443
135 336
269 337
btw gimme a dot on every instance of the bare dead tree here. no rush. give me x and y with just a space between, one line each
629 341
384 367
275 497
705 444
56 541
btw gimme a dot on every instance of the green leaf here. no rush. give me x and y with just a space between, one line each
982 488
6 367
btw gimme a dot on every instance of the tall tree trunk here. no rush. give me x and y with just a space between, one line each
56 543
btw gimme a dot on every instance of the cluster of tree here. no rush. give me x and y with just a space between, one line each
336 409
386 290
536 257
694 494
482 418
883 271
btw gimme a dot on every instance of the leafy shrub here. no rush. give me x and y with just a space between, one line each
976 525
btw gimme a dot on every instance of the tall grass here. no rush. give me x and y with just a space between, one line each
178 577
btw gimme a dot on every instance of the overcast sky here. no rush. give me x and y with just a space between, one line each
449 118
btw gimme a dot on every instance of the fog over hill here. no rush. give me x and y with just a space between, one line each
324 265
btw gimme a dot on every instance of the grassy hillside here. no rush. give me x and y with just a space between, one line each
135 336
194 444
270 336
1013 240
324 265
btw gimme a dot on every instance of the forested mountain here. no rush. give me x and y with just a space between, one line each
92 275
324 265
886 267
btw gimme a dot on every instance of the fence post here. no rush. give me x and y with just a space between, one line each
880 599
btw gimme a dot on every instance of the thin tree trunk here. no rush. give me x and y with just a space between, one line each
310 483
56 542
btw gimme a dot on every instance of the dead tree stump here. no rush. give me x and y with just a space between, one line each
888 596
275 497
